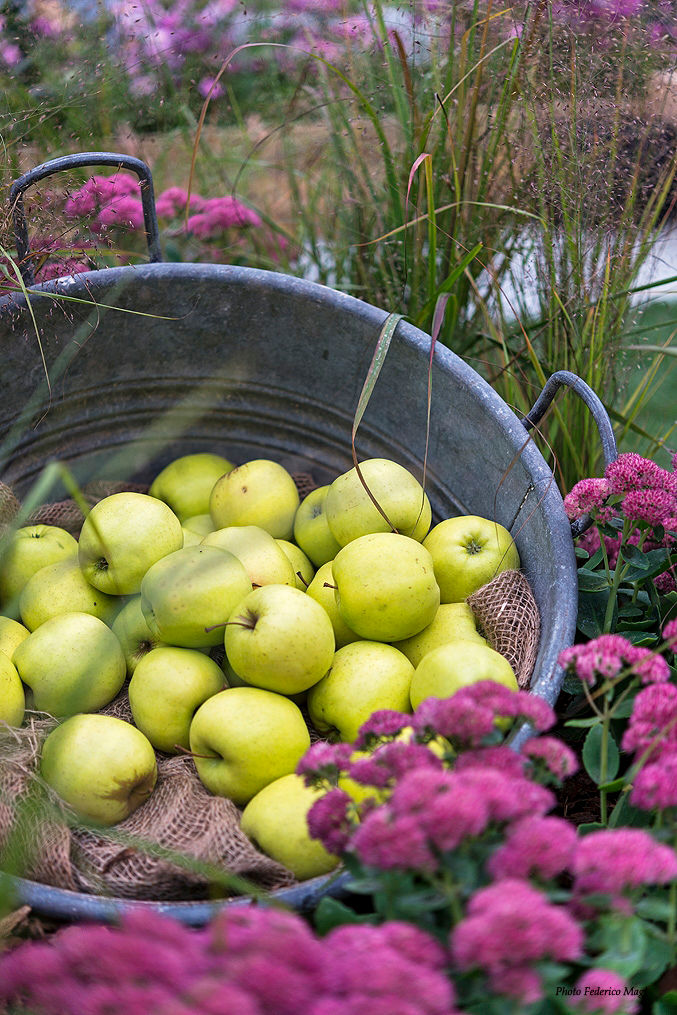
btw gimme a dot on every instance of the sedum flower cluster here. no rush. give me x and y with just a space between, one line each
518 888
248 961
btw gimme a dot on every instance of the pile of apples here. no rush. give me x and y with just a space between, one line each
341 604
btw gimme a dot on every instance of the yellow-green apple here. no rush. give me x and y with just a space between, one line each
190 538
321 589
351 512
468 551
134 634
451 622
187 596
122 536
12 633
168 686
278 638
12 698
201 525
63 588
260 492
243 738
276 820
365 676
385 586
72 663
311 528
458 664
23 553
303 569
104 768
265 562
187 482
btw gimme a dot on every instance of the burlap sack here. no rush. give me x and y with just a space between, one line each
180 816
507 615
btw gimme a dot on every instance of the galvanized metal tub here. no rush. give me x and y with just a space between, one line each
162 359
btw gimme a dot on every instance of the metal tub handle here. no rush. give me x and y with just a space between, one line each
565 378
77 161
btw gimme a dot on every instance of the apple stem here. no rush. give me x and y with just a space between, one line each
328 585
191 754
301 578
251 624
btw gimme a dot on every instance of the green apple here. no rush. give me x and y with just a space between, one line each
168 686
201 525
278 638
265 562
458 664
12 633
122 536
12 698
72 663
25 552
311 528
104 768
260 492
243 738
276 820
63 588
134 634
321 589
351 512
187 482
303 569
385 586
364 677
190 538
187 596
451 622
468 551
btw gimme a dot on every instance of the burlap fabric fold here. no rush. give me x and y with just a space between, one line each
507 615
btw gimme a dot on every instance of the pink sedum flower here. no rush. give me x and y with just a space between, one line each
388 841
653 722
385 722
534 847
602 990
329 822
586 496
125 211
655 785
609 656
612 861
557 757
508 927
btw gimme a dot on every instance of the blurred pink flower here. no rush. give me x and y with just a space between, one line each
558 758
509 926
655 785
388 841
654 711
125 211
469 715
385 722
209 86
611 861
221 213
328 821
534 846
390 762
10 54
602 990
